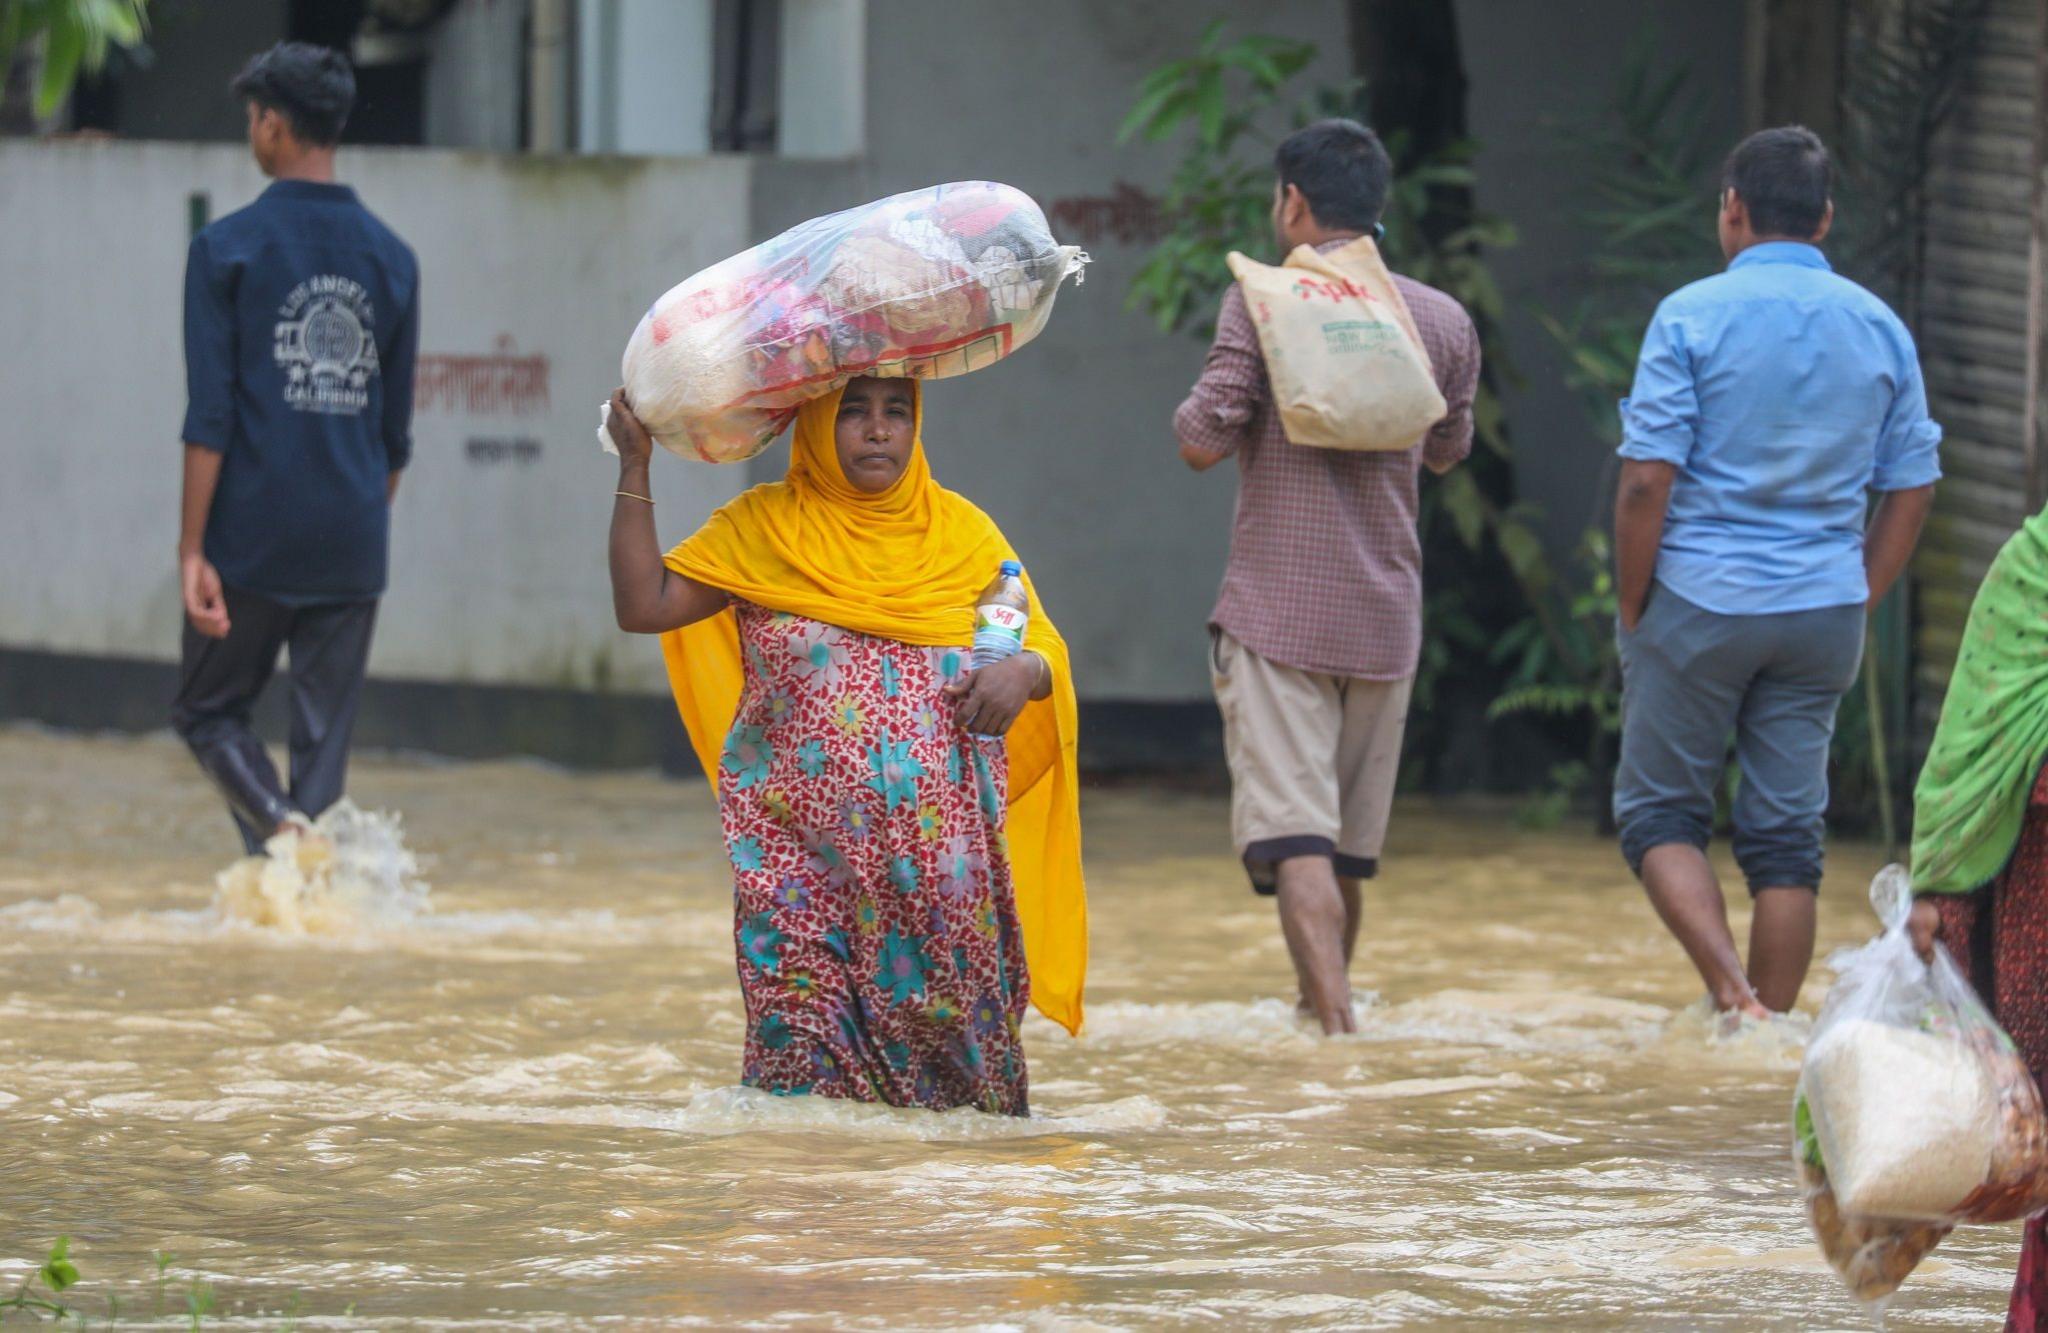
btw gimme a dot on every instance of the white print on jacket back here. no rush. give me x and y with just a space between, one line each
326 346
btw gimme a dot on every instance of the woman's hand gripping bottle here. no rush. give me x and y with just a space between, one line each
1001 615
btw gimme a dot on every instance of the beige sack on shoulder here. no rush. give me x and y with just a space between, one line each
1347 367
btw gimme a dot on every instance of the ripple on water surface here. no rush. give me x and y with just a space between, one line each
510 1103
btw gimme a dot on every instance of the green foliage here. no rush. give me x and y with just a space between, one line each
1549 808
1804 1135
1454 636
76 35
36 1297
1554 700
1650 231
1563 662
1219 199
58 1272
56 1275
163 1264
1564 667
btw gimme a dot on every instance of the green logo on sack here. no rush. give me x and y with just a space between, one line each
1352 337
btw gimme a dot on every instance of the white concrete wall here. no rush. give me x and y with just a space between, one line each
644 74
498 560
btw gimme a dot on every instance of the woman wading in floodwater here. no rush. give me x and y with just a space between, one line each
815 632
1980 829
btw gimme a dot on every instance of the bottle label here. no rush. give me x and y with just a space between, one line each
1009 620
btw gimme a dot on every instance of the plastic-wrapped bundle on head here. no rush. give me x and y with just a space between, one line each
932 283
1000 244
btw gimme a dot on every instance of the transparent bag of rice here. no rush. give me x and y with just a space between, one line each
926 284
1914 1111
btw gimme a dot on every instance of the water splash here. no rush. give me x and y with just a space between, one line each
732 1110
351 872
1247 1024
1701 1031
1578 1022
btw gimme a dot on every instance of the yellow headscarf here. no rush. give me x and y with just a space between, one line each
905 564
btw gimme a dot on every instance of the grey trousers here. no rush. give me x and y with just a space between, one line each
221 679
1693 679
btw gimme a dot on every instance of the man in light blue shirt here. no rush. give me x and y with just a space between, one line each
1770 401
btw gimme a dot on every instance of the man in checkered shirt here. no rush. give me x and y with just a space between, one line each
1317 631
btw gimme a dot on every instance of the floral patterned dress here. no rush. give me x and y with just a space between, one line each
878 947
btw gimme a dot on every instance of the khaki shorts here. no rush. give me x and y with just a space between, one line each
1313 760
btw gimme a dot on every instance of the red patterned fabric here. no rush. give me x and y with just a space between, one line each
2028 1312
1325 570
877 938
1999 935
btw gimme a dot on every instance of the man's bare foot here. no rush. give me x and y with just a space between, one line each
1304 1012
1735 1017
1753 1008
310 838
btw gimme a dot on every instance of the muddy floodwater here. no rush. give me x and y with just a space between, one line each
518 1107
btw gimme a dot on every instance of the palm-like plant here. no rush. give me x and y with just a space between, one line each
75 35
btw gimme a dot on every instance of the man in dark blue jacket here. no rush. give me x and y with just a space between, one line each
301 325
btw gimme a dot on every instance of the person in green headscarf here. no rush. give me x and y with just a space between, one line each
1972 799
1980 828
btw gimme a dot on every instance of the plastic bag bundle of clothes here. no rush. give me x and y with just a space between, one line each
931 283
1915 1113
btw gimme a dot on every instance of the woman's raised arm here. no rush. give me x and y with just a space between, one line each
647 596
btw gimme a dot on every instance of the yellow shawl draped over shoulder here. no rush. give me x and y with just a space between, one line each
906 564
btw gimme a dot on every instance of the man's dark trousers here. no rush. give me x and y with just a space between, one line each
220 680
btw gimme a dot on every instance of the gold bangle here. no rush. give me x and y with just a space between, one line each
630 496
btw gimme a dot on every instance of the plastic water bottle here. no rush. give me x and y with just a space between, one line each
1001 615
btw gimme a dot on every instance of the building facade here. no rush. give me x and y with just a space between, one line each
557 164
